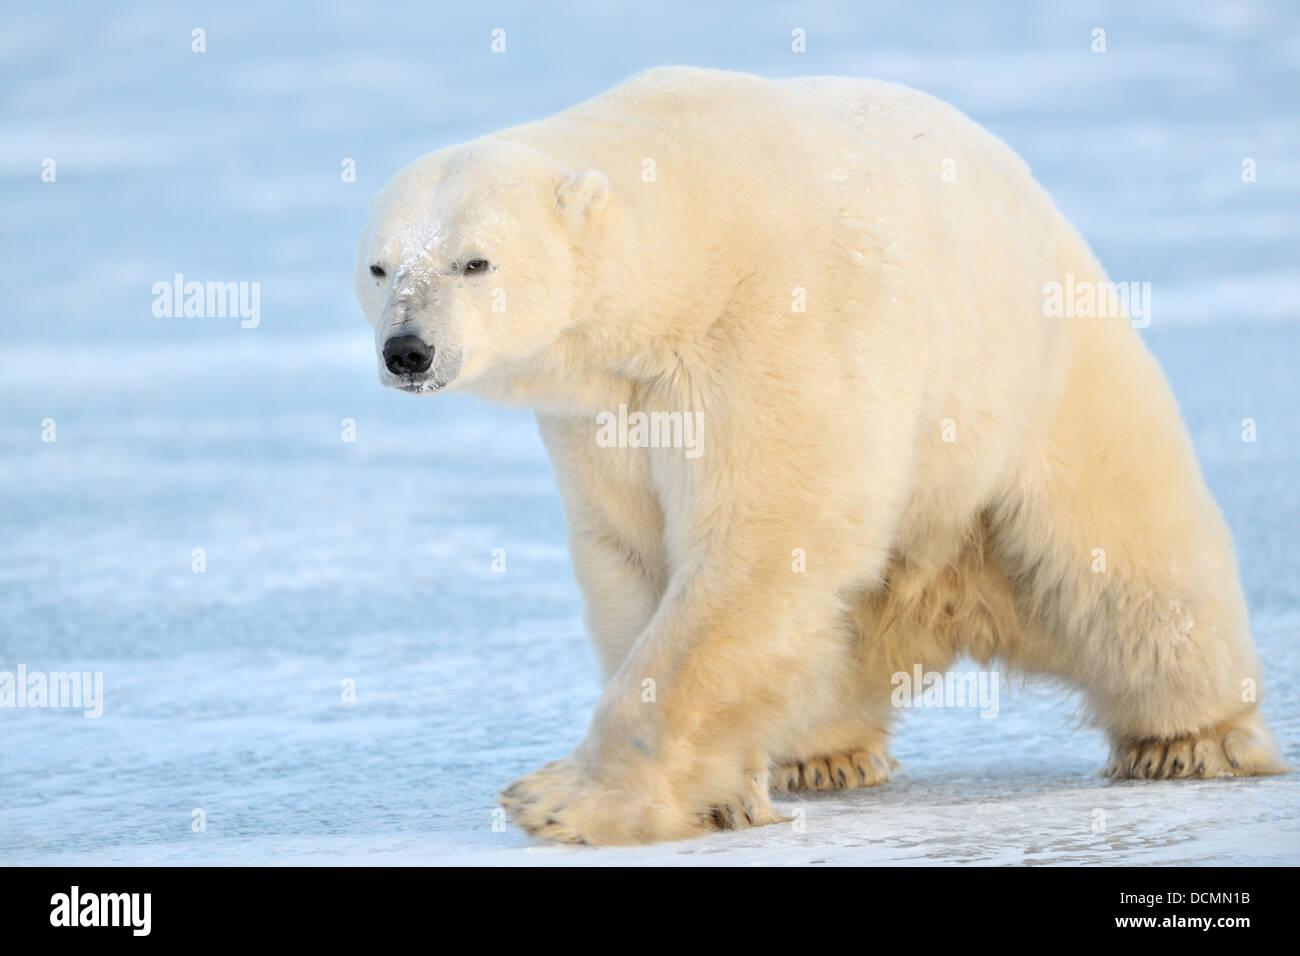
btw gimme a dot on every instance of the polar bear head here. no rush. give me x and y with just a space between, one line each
466 267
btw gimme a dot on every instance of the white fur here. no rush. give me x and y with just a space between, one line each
823 431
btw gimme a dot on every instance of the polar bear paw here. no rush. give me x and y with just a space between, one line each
749 809
842 770
1241 747
563 802
559 802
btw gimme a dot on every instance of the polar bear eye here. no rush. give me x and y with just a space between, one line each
378 270
476 265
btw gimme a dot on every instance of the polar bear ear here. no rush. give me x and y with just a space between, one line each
582 195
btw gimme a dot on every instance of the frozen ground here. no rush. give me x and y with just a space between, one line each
371 561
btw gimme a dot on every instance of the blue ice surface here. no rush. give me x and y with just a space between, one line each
371 562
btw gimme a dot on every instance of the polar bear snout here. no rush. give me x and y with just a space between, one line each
407 355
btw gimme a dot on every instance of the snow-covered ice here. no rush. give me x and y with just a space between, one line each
370 561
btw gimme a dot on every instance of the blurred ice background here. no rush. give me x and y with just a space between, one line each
371 561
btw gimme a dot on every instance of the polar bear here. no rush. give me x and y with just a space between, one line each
904 454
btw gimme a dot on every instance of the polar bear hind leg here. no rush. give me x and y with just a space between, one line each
1125 574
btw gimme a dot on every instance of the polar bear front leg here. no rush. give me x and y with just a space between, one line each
615 535
679 741
676 745
759 542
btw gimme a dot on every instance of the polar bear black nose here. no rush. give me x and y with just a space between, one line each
407 354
